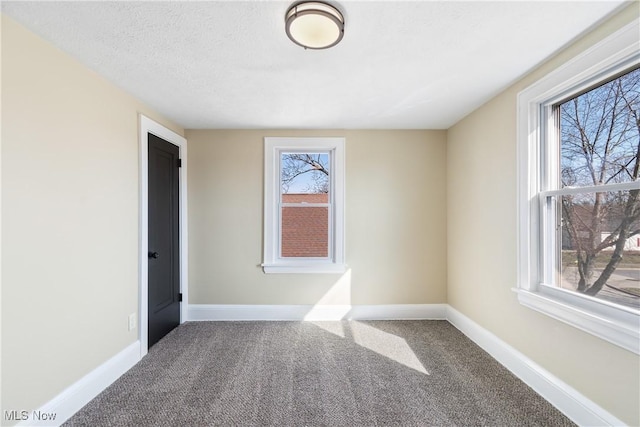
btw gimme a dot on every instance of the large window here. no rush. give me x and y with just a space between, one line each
579 191
304 205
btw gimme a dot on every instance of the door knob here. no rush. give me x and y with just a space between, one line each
154 254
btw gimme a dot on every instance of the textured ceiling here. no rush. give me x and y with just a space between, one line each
229 64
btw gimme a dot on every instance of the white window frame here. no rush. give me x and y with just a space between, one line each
273 148
535 130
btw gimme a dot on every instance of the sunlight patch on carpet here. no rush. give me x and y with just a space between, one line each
387 345
336 328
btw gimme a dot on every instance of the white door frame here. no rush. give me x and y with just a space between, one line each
148 126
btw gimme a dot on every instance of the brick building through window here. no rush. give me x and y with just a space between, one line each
305 229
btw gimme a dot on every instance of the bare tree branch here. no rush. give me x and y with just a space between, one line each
295 165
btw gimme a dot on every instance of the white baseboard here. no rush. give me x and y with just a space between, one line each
203 312
569 401
574 405
74 397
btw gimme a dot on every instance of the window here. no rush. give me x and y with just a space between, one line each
579 191
304 205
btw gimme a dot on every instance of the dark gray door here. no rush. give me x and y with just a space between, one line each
164 238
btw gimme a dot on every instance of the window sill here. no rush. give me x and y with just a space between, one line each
309 268
622 330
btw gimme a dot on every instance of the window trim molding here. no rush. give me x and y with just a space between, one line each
272 263
602 60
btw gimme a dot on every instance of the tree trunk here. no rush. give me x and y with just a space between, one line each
630 213
585 270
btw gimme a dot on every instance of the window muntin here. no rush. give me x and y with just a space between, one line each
304 205
541 192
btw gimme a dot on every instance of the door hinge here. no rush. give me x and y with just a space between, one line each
179 163
180 297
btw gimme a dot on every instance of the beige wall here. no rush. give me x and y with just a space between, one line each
69 219
395 221
481 191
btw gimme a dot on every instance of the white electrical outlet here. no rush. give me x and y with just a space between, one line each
132 321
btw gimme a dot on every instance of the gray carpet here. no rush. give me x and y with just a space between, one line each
350 373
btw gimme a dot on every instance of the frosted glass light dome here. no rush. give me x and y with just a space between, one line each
314 25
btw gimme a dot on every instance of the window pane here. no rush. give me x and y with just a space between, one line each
305 231
600 135
304 173
601 245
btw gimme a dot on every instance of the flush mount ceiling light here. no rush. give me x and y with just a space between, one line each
314 24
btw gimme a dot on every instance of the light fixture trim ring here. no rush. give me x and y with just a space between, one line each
293 13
